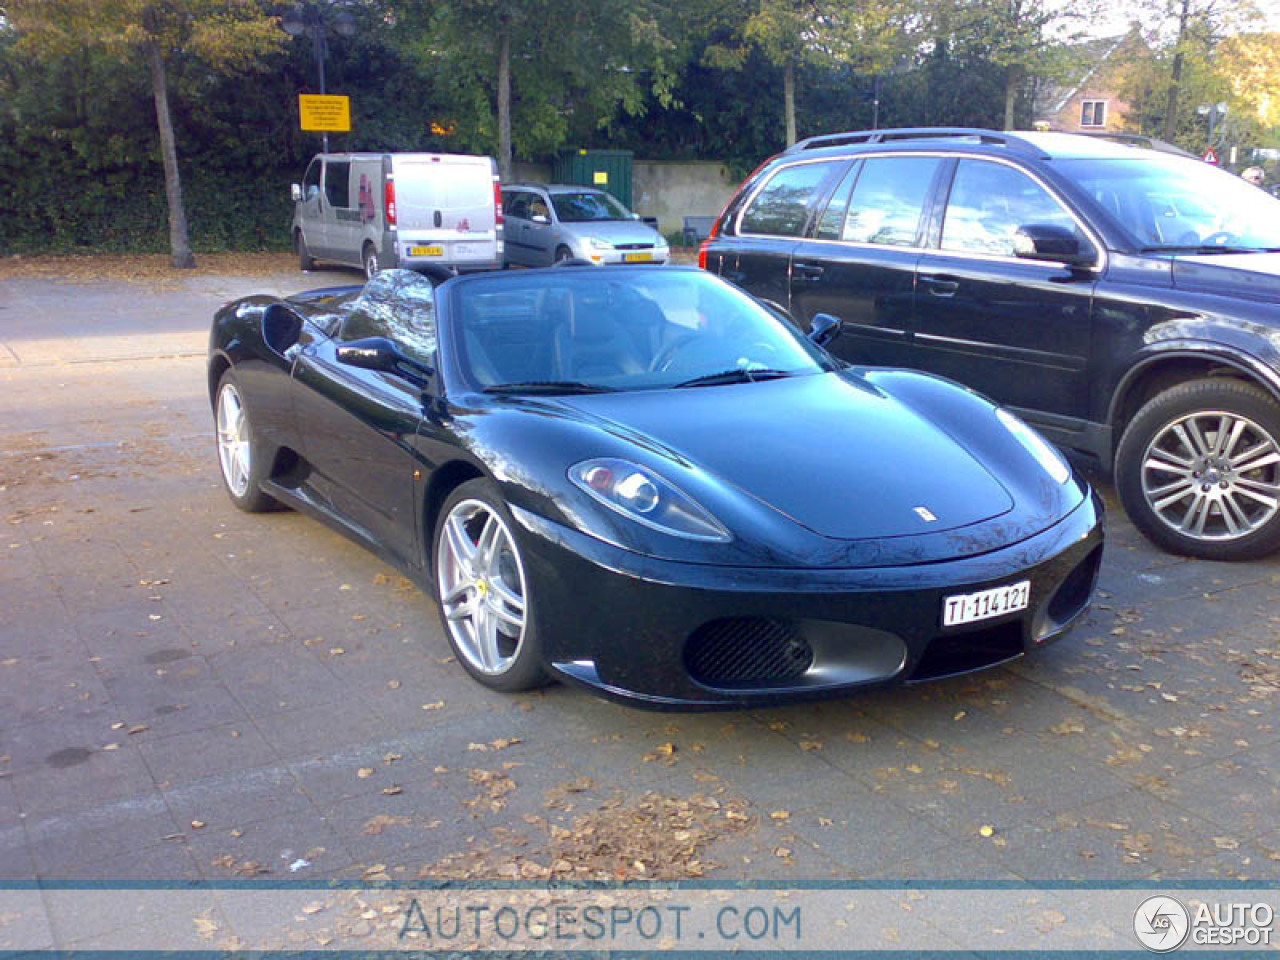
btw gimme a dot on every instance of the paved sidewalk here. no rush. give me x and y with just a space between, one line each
192 692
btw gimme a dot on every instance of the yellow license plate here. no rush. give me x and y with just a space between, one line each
426 251
637 257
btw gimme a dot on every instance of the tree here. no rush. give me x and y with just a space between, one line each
1025 39
866 36
545 63
1193 29
228 35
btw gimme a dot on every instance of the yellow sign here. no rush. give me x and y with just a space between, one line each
329 112
600 177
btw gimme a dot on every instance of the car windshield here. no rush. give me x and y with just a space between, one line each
1177 203
587 206
595 330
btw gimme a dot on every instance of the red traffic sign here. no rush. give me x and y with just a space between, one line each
1211 156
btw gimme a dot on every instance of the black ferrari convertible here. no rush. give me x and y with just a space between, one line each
646 482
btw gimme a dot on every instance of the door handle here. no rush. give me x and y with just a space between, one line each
806 271
941 287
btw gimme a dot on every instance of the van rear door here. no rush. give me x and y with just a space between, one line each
445 210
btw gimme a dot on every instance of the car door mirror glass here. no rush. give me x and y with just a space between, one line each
824 328
1048 241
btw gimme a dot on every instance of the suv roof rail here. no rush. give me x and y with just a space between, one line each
1138 140
977 134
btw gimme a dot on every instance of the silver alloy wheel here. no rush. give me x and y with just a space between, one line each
1212 475
233 439
482 586
371 264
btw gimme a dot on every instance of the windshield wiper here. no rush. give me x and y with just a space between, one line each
1204 248
736 375
549 386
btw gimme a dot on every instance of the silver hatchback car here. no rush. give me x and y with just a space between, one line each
548 223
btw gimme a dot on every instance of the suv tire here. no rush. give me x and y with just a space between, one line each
1197 500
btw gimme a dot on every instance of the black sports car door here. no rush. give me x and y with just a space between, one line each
358 428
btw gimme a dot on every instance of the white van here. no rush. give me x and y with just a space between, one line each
381 210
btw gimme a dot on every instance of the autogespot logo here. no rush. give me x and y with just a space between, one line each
1161 924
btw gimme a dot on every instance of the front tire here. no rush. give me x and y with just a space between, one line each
241 458
483 590
1198 470
563 253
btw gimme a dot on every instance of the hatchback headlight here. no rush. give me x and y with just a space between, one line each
598 244
643 496
1037 446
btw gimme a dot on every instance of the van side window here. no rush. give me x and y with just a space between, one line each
337 183
888 200
782 207
311 180
989 202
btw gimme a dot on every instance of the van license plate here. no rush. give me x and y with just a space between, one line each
637 257
426 251
985 604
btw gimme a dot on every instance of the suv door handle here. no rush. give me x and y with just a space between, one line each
806 271
940 286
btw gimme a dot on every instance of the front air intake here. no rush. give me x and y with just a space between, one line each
747 652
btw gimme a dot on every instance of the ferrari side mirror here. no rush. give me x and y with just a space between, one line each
380 353
824 328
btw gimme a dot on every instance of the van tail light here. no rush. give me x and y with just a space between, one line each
390 204
702 247
497 202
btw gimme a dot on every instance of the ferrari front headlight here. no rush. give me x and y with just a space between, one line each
640 494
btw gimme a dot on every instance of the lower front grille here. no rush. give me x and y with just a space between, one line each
960 653
633 246
750 652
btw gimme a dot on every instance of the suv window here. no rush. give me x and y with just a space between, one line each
782 207
989 202
881 200
337 183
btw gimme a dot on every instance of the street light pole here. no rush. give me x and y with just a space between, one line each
315 17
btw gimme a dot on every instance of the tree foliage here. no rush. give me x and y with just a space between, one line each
81 165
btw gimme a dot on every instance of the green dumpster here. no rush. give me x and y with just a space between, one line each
607 169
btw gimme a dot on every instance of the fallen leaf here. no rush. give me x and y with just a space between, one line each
439 704
780 815
197 824
986 830
364 773
392 791
811 746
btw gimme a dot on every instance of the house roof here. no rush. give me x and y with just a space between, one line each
1089 56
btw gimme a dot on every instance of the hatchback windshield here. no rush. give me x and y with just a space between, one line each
1176 203
587 206
590 330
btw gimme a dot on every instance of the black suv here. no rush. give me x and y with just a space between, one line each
1126 301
